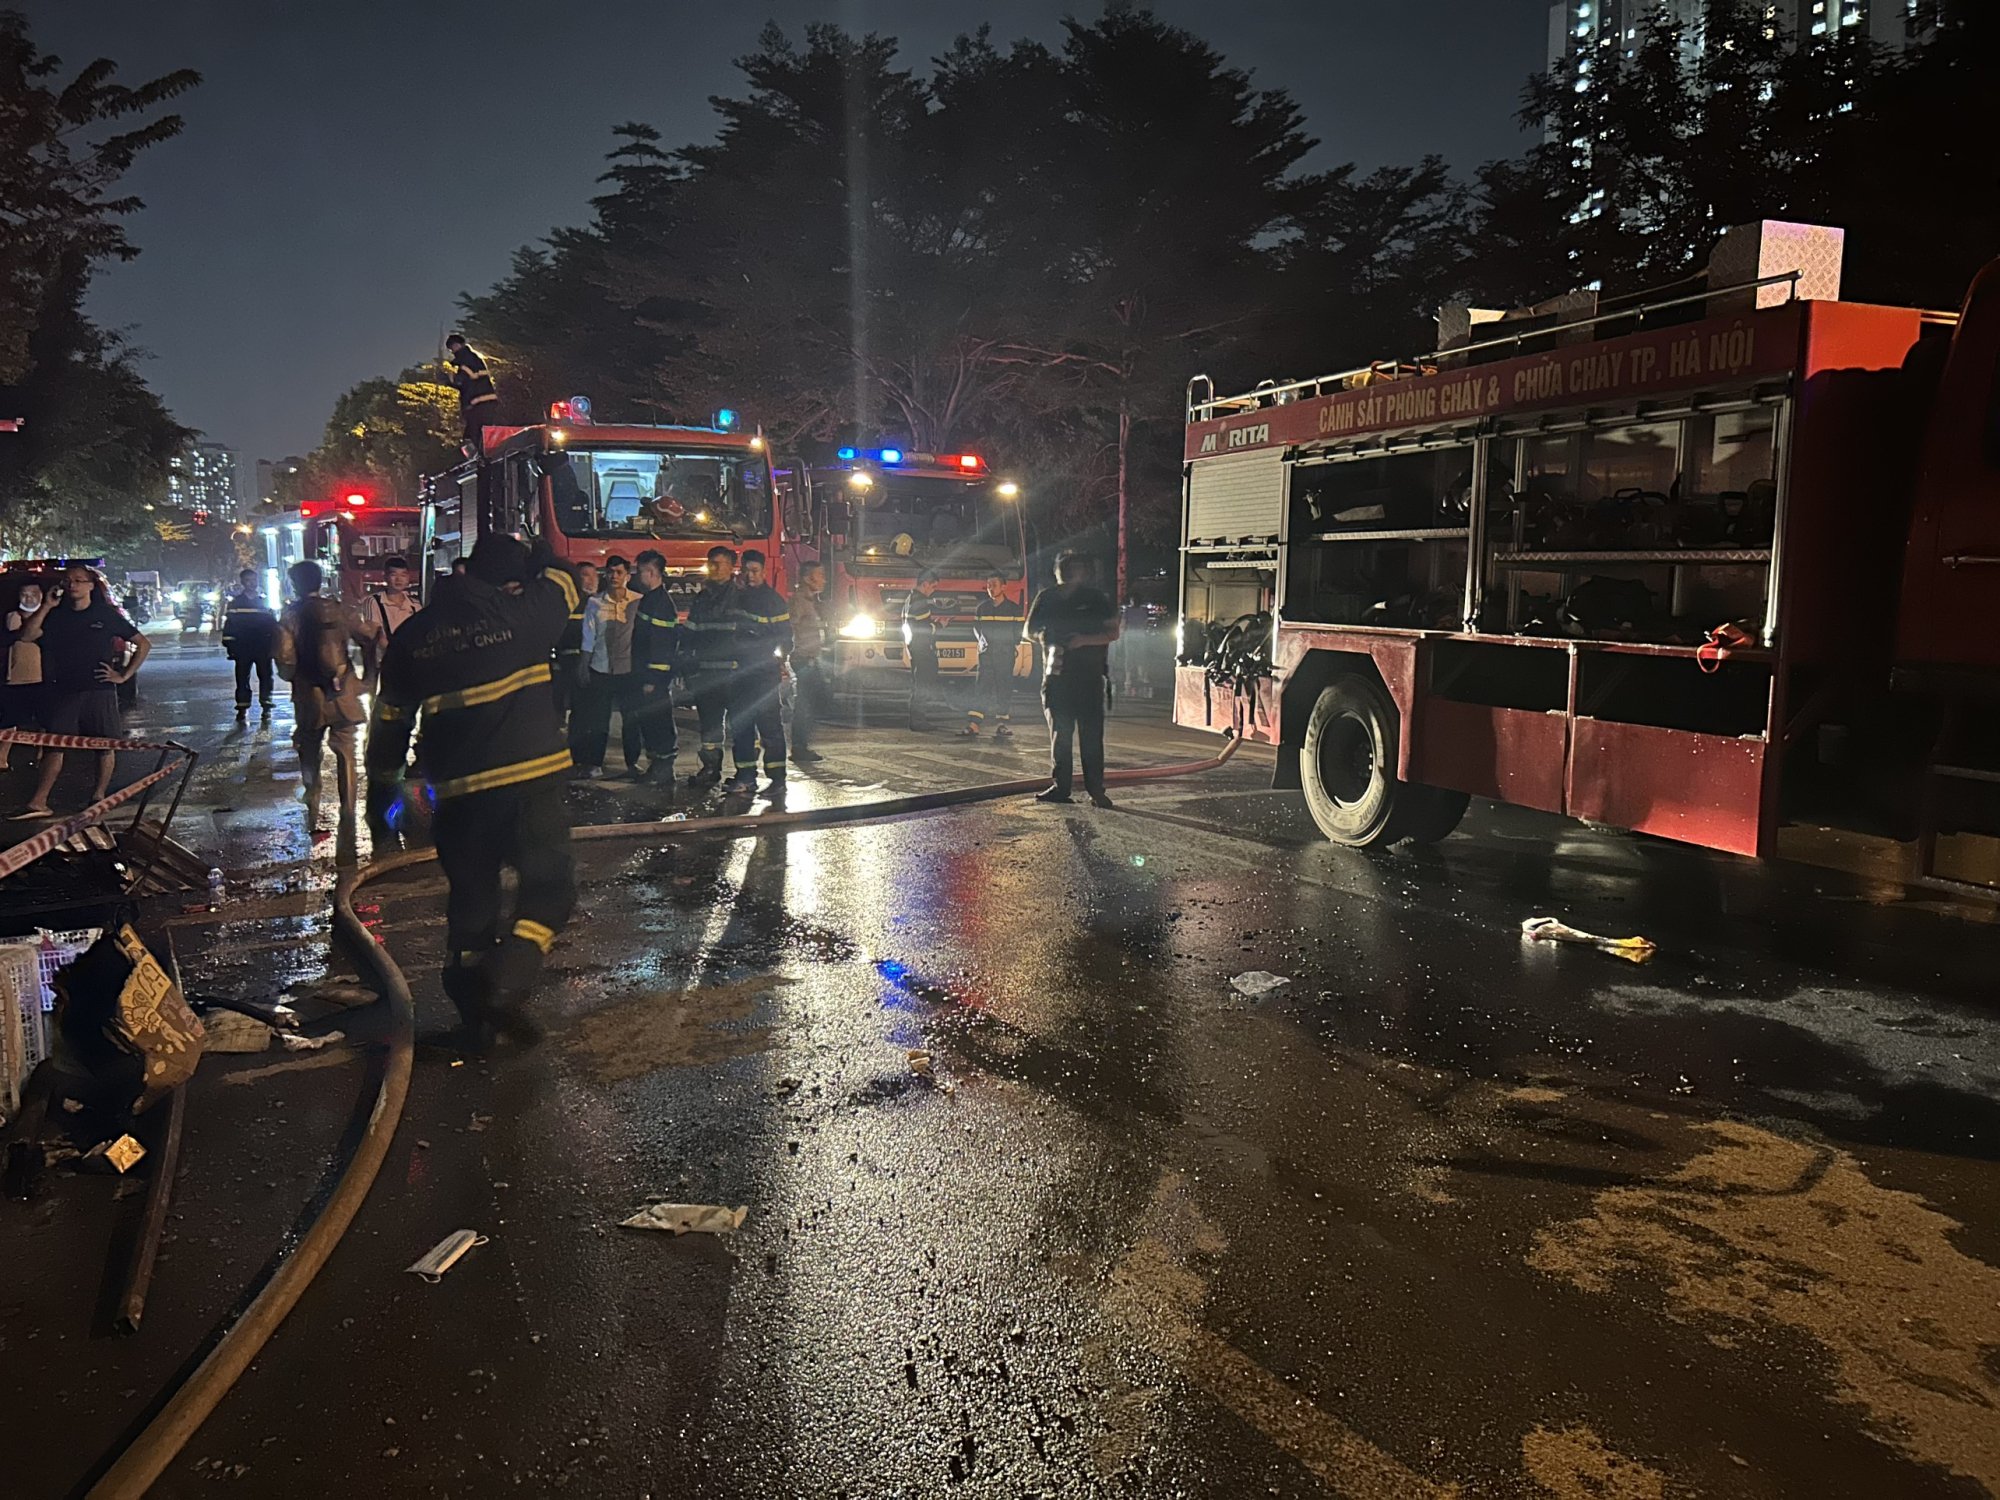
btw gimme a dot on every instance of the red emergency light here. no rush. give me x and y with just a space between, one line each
968 461
356 499
306 509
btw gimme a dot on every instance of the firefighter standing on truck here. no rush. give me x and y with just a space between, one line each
474 667
710 654
478 401
997 623
755 713
920 641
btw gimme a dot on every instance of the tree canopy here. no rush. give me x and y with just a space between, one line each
1029 248
96 440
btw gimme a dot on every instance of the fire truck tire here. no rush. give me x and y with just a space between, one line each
1347 763
1425 814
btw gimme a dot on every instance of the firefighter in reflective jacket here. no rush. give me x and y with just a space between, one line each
478 402
711 651
655 647
471 672
569 650
754 710
997 623
920 640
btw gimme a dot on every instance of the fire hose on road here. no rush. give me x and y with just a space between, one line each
146 1457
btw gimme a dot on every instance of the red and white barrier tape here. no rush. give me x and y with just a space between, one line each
57 835
81 741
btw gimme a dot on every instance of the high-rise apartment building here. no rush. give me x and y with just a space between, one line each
1589 29
202 477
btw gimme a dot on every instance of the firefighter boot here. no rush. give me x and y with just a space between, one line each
711 768
467 989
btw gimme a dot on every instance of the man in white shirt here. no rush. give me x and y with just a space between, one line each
388 610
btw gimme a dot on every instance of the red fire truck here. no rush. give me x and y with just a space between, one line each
1687 566
594 491
878 516
354 536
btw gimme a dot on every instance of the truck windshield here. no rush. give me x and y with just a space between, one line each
943 523
658 492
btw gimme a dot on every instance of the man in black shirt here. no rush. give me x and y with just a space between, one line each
478 402
82 635
1076 625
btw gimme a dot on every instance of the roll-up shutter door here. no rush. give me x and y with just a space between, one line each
1241 495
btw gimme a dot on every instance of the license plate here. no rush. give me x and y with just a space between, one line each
951 653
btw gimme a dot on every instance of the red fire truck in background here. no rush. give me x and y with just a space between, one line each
877 517
1689 566
354 536
594 491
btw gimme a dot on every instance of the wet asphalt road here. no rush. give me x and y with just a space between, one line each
1450 1214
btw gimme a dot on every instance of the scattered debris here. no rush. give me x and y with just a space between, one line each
687 1218
322 1059
117 990
447 1253
310 1043
920 1064
276 1015
121 1155
1259 984
1636 950
343 996
232 1031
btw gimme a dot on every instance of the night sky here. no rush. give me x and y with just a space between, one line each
350 166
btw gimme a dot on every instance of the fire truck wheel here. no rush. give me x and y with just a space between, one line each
1348 762
1425 814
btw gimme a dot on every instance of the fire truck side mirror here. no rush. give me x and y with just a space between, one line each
839 517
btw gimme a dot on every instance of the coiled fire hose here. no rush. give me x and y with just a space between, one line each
155 1446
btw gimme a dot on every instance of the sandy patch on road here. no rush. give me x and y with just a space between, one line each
707 1023
1575 1464
1764 1228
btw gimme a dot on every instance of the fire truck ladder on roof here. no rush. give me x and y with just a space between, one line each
1203 404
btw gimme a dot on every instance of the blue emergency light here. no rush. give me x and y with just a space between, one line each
846 454
726 418
892 455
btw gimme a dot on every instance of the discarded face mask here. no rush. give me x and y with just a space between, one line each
1634 950
1258 984
687 1218
447 1253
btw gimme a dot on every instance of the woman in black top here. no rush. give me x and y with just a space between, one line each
82 635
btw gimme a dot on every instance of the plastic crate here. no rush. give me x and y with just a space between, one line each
60 949
24 1024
